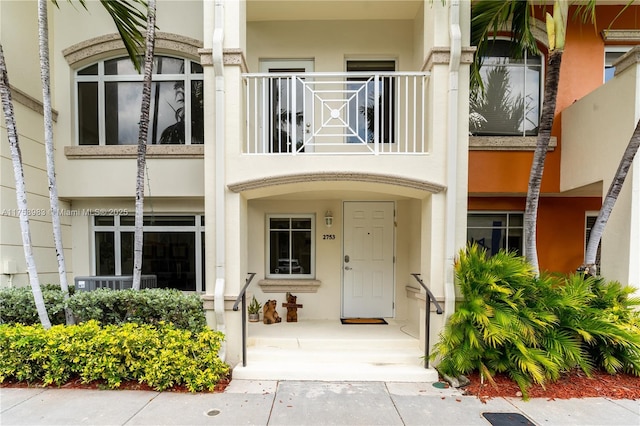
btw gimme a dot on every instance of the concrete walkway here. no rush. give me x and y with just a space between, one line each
248 402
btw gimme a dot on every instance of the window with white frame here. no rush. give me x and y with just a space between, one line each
109 95
290 247
510 103
612 54
173 248
495 231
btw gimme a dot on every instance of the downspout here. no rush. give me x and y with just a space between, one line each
219 141
455 36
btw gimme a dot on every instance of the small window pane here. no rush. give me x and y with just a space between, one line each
196 68
166 65
120 66
279 223
103 220
105 253
90 70
301 223
122 112
88 113
279 250
167 113
197 112
487 220
171 257
169 221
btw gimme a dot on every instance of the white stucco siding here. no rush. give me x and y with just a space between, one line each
595 132
330 43
116 178
326 302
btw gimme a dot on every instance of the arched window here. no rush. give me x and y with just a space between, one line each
109 94
511 101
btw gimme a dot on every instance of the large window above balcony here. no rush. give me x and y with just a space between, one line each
109 94
509 105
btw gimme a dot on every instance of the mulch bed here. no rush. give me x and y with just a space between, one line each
128 385
574 384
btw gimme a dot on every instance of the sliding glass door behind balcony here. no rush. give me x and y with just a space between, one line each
287 106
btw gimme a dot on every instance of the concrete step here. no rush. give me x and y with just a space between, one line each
329 355
345 371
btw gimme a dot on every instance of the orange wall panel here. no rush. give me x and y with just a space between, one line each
560 230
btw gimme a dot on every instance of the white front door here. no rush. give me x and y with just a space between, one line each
367 264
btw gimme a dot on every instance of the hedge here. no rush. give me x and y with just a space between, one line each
160 355
148 306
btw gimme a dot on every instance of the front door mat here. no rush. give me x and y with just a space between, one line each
507 419
363 321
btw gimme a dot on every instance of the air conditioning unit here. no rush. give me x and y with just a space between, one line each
113 282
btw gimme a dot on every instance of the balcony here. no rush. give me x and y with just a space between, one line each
289 114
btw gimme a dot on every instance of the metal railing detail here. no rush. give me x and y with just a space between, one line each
429 300
242 298
336 113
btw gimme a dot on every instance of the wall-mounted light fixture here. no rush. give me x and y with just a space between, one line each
328 219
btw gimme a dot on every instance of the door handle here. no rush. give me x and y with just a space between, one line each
348 268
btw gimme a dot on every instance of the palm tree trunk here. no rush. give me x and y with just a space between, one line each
609 201
43 36
142 144
537 166
21 196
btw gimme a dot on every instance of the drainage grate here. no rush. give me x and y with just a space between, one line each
507 419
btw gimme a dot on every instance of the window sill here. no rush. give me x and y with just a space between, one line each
284 286
131 151
507 143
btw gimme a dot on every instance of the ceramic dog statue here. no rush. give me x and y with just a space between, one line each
269 313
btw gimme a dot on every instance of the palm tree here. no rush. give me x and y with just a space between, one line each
128 21
21 196
490 17
142 143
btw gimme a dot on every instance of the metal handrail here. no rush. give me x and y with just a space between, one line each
429 299
242 297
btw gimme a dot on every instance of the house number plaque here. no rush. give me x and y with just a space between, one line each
328 236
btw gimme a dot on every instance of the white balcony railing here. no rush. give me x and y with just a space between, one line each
336 113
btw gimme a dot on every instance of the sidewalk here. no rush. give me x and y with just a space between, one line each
300 403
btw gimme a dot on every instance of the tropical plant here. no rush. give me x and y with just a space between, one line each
535 328
142 143
21 195
254 306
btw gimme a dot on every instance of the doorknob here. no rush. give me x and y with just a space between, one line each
348 268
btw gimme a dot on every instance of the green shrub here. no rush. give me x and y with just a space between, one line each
148 306
17 305
532 328
160 356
